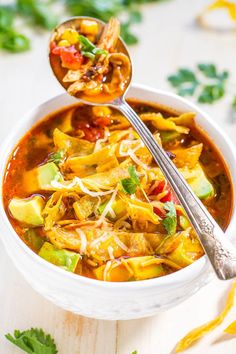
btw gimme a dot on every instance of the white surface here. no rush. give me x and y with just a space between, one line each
25 81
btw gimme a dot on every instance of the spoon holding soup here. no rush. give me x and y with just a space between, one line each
92 63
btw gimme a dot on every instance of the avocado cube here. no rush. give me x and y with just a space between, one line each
28 210
200 184
62 258
40 178
32 238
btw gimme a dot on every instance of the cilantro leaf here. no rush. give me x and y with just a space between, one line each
33 341
10 39
170 221
210 71
88 49
133 174
130 184
185 81
56 157
211 93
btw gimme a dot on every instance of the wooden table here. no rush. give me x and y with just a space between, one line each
169 38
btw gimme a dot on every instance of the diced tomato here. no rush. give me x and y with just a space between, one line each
70 57
71 60
102 121
159 188
169 197
158 212
93 134
173 198
90 133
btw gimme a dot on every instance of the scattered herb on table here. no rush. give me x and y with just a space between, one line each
33 341
206 82
131 183
170 221
10 38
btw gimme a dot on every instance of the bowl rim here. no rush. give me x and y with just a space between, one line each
173 279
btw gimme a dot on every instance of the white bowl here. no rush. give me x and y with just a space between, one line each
105 300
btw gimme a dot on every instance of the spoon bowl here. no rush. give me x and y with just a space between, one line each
60 72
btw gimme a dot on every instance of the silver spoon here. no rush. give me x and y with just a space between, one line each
218 248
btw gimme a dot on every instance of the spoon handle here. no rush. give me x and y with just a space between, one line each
218 248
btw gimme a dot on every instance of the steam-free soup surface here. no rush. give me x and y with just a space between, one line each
83 192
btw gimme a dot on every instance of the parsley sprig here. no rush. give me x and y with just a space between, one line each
206 82
170 221
131 183
33 341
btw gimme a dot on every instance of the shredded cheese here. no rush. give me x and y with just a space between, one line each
100 239
137 160
108 208
76 182
83 239
123 151
110 252
100 141
106 270
120 244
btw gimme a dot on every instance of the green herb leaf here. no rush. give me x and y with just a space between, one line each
56 157
135 352
170 221
33 341
211 93
6 17
210 71
127 35
130 184
133 175
185 81
38 12
135 16
14 42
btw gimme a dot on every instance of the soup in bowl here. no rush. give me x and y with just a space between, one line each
83 193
